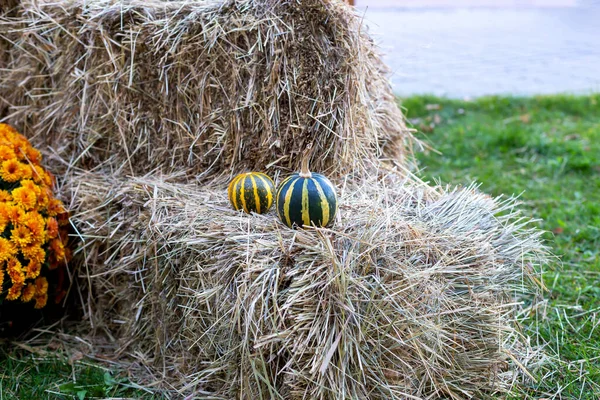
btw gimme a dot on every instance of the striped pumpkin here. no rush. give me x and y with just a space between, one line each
251 192
306 198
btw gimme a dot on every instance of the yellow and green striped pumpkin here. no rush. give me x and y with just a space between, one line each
305 198
251 192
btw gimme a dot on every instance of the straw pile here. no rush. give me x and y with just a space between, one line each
411 293
8 9
204 86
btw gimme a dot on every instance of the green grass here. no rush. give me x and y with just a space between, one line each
547 148
45 375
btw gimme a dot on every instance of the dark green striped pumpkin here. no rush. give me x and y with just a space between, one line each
306 199
251 192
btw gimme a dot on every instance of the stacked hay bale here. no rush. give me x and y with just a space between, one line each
205 86
148 107
410 295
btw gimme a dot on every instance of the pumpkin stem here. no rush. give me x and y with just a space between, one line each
304 171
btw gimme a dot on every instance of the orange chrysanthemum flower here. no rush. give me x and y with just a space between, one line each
43 199
20 146
54 263
55 207
24 198
40 176
41 286
31 186
35 223
34 252
58 249
49 179
15 213
33 155
40 301
33 269
52 228
10 170
7 249
14 292
21 236
5 196
32 223
41 292
15 271
26 171
3 220
28 293
7 132
4 210
6 153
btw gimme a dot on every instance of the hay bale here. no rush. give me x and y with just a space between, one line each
411 295
8 10
202 87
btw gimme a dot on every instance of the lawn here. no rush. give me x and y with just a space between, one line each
548 150
545 148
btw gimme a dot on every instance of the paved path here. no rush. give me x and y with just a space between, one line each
550 47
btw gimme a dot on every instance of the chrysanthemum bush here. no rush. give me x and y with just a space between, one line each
33 244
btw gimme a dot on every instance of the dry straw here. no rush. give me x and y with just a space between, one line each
8 9
413 293
206 86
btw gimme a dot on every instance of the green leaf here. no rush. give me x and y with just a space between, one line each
109 380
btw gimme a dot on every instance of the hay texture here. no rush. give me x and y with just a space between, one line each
414 292
200 87
410 295
8 9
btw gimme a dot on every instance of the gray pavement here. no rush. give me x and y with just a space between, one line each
535 47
